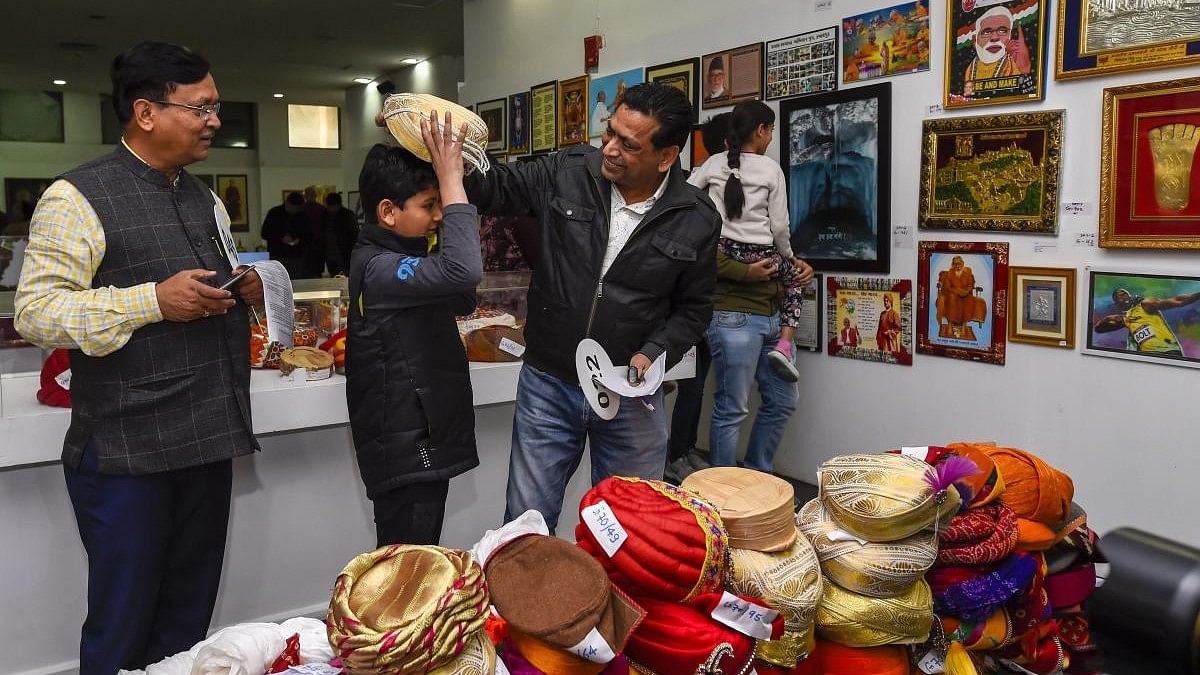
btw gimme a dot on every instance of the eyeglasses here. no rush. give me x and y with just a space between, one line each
998 32
201 111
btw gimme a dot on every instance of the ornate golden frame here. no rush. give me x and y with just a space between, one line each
1150 61
1050 122
1015 328
1113 96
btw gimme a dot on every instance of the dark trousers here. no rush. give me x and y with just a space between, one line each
155 544
412 514
689 398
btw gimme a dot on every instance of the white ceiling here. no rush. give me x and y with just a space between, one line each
312 51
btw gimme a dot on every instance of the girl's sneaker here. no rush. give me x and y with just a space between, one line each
781 358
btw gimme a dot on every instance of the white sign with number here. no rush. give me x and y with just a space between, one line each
605 527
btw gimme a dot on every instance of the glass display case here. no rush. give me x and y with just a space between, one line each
495 331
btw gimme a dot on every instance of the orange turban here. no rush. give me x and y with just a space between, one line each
1033 488
837 659
988 484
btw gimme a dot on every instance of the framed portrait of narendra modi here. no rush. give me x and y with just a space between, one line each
995 52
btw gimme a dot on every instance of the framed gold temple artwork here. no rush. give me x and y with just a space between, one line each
1041 306
1149 166
996 173
1100 37
572 111
962 299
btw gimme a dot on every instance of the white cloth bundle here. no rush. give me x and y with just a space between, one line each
246 649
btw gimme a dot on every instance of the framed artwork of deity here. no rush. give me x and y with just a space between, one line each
1149 168
572 111
836 159
543 130
1141 316
494 115
232 192
802 64
995 52
869 319
732 76
1041 306
996 173
1099 37
684 75
962 299
518 123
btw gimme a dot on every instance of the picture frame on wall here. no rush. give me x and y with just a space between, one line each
1101 37
1149 168
869 319
573 111
995 52
1041 306
801 64
699 153
605 92
231 190
1141 316
885 42
732 76
543 110
962 299
991 173
518 123
836 159
809 333
21 196
684 75
494 114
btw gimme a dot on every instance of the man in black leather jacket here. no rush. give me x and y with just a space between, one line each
628 258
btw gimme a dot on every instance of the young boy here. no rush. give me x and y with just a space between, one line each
414 268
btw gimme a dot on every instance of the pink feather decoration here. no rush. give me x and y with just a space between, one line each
952 470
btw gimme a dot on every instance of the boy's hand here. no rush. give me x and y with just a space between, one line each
445 153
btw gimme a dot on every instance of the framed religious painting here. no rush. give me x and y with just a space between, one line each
962 299
518 123
494 115
836 158
995 52
231 190
1149 173
802 64
869 319
1041 306
683 75
699 153
1100 37
605 92
1143 316
995 173
732 76
883 42
572 111
808 331
543 130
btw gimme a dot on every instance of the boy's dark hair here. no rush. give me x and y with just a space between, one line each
393 173
745 119
152 70
713 133
675 113
333 198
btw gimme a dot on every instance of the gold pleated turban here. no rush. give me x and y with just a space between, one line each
879 570
789 582
411 609
884 497
859 621
402 113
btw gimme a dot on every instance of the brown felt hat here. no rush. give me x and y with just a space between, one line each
757 508
554 591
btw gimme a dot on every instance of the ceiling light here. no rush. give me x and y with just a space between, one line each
60 82
363 80
277 95
412 60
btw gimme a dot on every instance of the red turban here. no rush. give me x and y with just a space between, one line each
52 393
677 639
838 659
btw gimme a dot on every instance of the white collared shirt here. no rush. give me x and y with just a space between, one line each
624 218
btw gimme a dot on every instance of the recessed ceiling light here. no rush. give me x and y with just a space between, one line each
412 60
363 80
60 82
277 95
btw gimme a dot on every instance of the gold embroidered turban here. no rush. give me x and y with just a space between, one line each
859 621
885 497
879 570
402 113
411 609
790 583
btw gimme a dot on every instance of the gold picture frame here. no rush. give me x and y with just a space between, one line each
572 110
991 173
1073 59
1041 306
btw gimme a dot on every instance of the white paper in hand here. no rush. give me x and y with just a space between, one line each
617 379
277 296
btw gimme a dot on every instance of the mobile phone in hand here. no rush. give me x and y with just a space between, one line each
233 280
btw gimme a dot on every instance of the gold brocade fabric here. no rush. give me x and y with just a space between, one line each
884 497
859 621
411 609
878 570
790 583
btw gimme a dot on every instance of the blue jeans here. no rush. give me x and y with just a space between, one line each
740 343
551 423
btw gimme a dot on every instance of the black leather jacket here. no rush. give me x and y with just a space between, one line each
655 297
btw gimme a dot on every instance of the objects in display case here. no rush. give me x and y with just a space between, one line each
315 364
494 332
336 346
264 352
303 332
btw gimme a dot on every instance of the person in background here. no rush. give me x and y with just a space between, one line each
286 231
123 261
336 236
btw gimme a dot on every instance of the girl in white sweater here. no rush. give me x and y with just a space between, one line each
748 188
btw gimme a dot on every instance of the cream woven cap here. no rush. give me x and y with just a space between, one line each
403 114
756 507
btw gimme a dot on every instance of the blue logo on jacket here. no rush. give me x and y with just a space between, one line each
407 267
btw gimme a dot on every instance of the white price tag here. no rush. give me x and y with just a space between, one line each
64 379
932 663
902 236
593 648
1044 248
823 5
515 348
918 451
745 616
604 526
935 109
1077 208
1085 239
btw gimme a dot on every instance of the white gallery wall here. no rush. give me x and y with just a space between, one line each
1125 431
